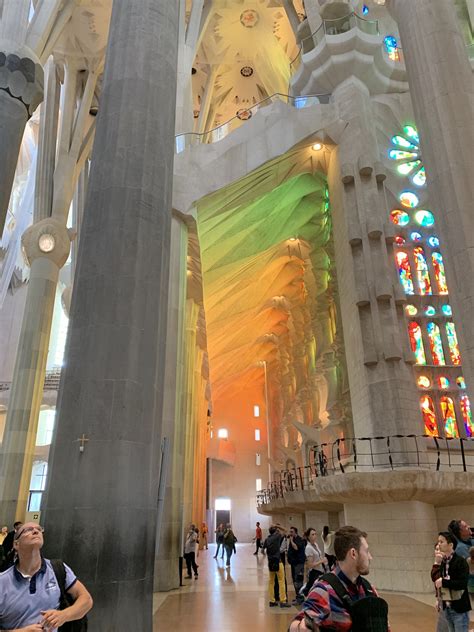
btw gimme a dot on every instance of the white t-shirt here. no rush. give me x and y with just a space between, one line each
328 543
313 554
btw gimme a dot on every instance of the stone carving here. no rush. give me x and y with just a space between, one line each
23 79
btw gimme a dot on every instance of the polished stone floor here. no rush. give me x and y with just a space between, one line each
235 600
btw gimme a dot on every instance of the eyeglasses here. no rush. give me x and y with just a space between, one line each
29 530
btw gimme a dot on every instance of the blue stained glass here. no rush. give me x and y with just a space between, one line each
447 311
365 10
415 236
433 241
424 218
430 310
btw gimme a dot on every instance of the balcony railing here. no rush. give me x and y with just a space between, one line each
373 454
244 114
335 26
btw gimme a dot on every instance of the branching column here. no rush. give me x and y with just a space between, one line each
442 90
383 393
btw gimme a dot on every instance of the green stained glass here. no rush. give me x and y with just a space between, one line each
400 218
409 199
453 344
424 218
449 417
436 346
419 178
407 167
461 382
430 310
412 133
398 154
400 141
411 310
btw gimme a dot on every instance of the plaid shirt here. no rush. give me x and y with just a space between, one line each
325 608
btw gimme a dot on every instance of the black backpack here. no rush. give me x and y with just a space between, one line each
80 625
369 614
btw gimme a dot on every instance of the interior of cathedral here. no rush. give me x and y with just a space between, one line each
236 286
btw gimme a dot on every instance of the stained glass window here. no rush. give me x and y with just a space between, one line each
408 155
391 46
424 218
416 342
399 240
409 199
412 133
436 346
422 273
401 154
419 178
449 417
429 416
430 310
400 218
443 382
365 9
438 266
404 272
447 310
407 167
424 381
414 236
461 382
467 415
411 310
453 344
433 241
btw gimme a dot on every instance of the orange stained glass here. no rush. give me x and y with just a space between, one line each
429 416
422 273
467 415
440 274
449 417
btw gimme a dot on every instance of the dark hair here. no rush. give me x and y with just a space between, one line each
17 524
325 532
295 529
347 538
454 527
449 537
272 530
308 531
258 524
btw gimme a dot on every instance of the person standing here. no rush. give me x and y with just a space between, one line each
328 544
30 592
258 538
464 537
229 543
296 560
204 532
315 560
450 574
190 552
272 545
219 540
8 550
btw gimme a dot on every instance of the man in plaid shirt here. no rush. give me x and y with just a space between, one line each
323 609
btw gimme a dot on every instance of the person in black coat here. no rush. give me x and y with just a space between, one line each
8 551
450 574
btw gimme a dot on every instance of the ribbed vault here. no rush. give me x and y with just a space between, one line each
263 258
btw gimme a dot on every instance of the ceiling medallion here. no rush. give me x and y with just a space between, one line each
249 18
246 71
244 114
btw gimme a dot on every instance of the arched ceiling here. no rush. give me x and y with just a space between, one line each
261 255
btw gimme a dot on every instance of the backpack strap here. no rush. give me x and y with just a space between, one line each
369 591
60 573
339 588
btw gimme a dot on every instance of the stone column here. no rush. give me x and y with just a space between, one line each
383 393
112 386
169 548
441 88
21 91
46 245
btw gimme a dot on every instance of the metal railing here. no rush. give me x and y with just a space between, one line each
335 26
384 453
219 132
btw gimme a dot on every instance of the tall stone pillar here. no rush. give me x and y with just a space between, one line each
441 88
383 393
101 503
169 548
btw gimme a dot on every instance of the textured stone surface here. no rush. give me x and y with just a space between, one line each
113 384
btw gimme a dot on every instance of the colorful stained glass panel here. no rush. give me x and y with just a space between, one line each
467 415
404 272
400 141
419 178
443 382
407 167
447 310
429 416
416 342
399 218
422 273
436 346
460 381
438 265
433 241
409 199
430 310
454 352
411 310
400 154
424 218
411 132
399 240
414 236
424 381
449 417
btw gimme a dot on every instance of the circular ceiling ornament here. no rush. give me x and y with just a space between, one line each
46 242
249 18
244 114
246 71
